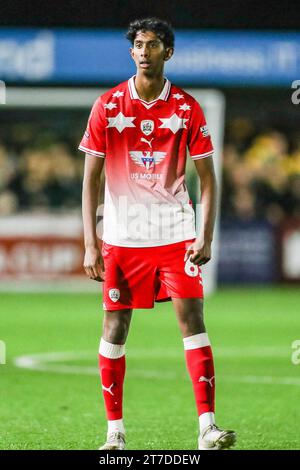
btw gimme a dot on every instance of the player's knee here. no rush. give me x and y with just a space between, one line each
115 327
192 323
115 333
192 328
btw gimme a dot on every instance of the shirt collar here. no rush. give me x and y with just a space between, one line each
163 96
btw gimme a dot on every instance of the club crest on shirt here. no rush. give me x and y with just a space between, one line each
114 294
147 127
147 158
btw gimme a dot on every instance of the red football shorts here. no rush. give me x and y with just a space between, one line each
136 277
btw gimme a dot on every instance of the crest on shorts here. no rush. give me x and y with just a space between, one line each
114 294
147 127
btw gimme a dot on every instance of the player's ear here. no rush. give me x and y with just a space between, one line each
131 52
168 53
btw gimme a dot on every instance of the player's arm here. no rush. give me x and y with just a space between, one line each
93 261
202 247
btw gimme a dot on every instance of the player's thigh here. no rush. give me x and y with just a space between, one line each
179 277
130 276
185 308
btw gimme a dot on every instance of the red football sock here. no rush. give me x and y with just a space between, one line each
112 373
199 360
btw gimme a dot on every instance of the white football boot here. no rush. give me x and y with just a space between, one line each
213 438
115 441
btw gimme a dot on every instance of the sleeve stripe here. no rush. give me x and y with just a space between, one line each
202 155
91 152
93 155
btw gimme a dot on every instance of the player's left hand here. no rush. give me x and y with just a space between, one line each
200 251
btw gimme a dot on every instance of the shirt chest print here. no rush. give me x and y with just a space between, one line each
120 122
174 123
147 159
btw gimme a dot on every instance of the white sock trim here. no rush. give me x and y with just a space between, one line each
115 425
196 341
112 351
206 419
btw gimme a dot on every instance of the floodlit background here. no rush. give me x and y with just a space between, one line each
243 64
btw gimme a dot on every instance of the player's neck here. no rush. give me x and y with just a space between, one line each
149 88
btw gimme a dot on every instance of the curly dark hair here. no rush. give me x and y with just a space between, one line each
162 29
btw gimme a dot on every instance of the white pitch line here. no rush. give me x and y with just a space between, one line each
47 362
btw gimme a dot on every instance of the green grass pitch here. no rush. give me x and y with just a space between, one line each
61 406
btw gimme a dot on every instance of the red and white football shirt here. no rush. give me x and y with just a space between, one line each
145 146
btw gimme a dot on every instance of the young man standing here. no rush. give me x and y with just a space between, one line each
150 252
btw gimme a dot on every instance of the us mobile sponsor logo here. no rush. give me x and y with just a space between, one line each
2 92
2 352
145 176
147 158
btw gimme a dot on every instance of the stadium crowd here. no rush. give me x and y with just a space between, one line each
261 175
40 179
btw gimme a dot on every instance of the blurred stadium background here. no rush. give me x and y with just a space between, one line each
241 62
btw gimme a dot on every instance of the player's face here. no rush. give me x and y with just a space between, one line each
149 53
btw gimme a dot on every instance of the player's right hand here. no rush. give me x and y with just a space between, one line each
93 264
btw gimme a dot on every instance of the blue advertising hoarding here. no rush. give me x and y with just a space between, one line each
248 252
102 56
